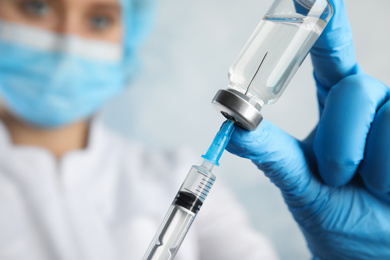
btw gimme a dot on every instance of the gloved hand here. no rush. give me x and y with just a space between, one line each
336 183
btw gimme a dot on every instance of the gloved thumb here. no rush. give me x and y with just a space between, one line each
282 159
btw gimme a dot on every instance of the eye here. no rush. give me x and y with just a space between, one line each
36 7
100 22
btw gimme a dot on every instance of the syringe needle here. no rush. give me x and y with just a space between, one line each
254 76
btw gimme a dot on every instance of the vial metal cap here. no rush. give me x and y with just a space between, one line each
238 107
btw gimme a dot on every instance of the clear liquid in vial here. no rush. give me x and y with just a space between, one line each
285 42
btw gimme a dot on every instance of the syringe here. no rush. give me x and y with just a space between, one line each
188 200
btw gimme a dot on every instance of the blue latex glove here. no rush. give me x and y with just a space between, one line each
337 182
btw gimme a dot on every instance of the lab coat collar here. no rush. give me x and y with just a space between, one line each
28 164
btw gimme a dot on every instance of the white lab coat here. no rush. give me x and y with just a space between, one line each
106 202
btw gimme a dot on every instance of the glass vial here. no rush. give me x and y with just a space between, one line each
270 58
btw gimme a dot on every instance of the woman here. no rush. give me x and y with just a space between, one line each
70 189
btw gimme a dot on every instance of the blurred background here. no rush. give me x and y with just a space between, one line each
186 60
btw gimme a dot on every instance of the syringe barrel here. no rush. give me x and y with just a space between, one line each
171 234
181 214
197 185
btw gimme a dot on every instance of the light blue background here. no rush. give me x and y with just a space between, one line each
185 62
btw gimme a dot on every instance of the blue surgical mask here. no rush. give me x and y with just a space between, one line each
50 80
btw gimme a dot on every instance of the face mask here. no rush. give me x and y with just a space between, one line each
50 80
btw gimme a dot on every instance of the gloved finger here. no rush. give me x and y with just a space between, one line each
281 158
344 125
333 54
375 168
